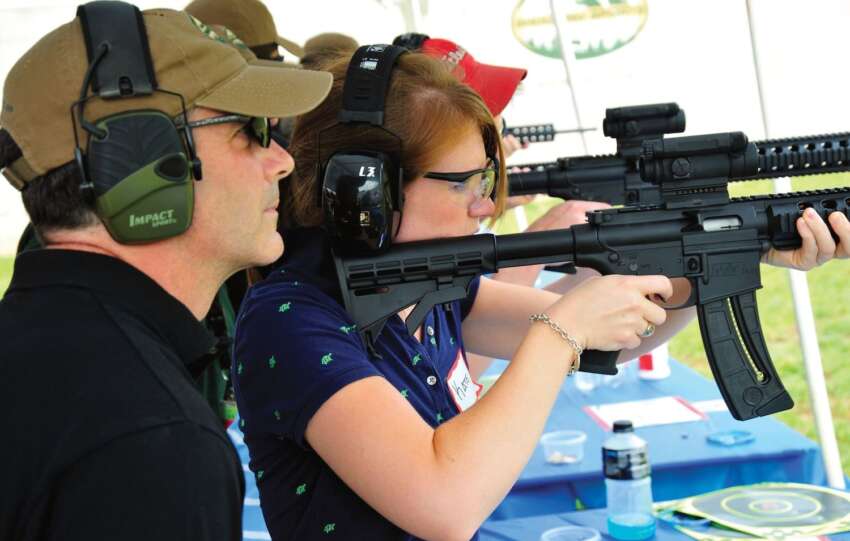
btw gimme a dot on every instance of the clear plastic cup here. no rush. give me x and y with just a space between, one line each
563 446
571 533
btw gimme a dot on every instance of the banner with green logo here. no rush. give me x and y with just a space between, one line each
596 27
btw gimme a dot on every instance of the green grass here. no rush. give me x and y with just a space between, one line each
5 273
830 298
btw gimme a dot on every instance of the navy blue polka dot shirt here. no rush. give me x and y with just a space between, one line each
295 347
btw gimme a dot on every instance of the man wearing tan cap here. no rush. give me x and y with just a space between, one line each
143 156
248 19
325 46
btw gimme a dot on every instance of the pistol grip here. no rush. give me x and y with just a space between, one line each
599 362
738 357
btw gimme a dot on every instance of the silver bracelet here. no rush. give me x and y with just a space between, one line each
563 334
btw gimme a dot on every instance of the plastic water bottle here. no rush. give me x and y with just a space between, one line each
628 485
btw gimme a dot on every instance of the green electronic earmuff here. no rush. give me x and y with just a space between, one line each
138 167
141 177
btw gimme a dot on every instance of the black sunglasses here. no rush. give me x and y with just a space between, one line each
480 182
259 127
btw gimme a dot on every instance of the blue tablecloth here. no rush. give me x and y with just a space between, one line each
530 528
683 462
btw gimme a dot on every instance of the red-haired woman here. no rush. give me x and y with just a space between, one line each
393 443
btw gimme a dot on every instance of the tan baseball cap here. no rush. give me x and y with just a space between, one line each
329 42
249 19
188 57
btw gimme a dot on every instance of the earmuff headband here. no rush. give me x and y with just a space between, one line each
411 40
127 70
366 83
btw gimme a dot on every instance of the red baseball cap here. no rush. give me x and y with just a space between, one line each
495 84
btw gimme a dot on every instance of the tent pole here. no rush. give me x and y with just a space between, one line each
568 56
805 317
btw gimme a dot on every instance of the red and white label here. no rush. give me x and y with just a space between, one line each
462 388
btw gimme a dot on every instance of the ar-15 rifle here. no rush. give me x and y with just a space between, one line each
615 179
696 232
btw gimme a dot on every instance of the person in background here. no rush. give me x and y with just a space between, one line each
322 47
107 436
251 21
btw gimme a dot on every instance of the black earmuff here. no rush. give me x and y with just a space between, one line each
138 165
362 188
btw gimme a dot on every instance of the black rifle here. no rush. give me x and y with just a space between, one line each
616 180
696 232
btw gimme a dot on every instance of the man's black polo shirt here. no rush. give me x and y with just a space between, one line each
104 434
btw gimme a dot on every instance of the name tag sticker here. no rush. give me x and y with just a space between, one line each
463 390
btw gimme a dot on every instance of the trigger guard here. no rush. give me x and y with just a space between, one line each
687 303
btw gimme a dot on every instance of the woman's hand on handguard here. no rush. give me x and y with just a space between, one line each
611 313
818 245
